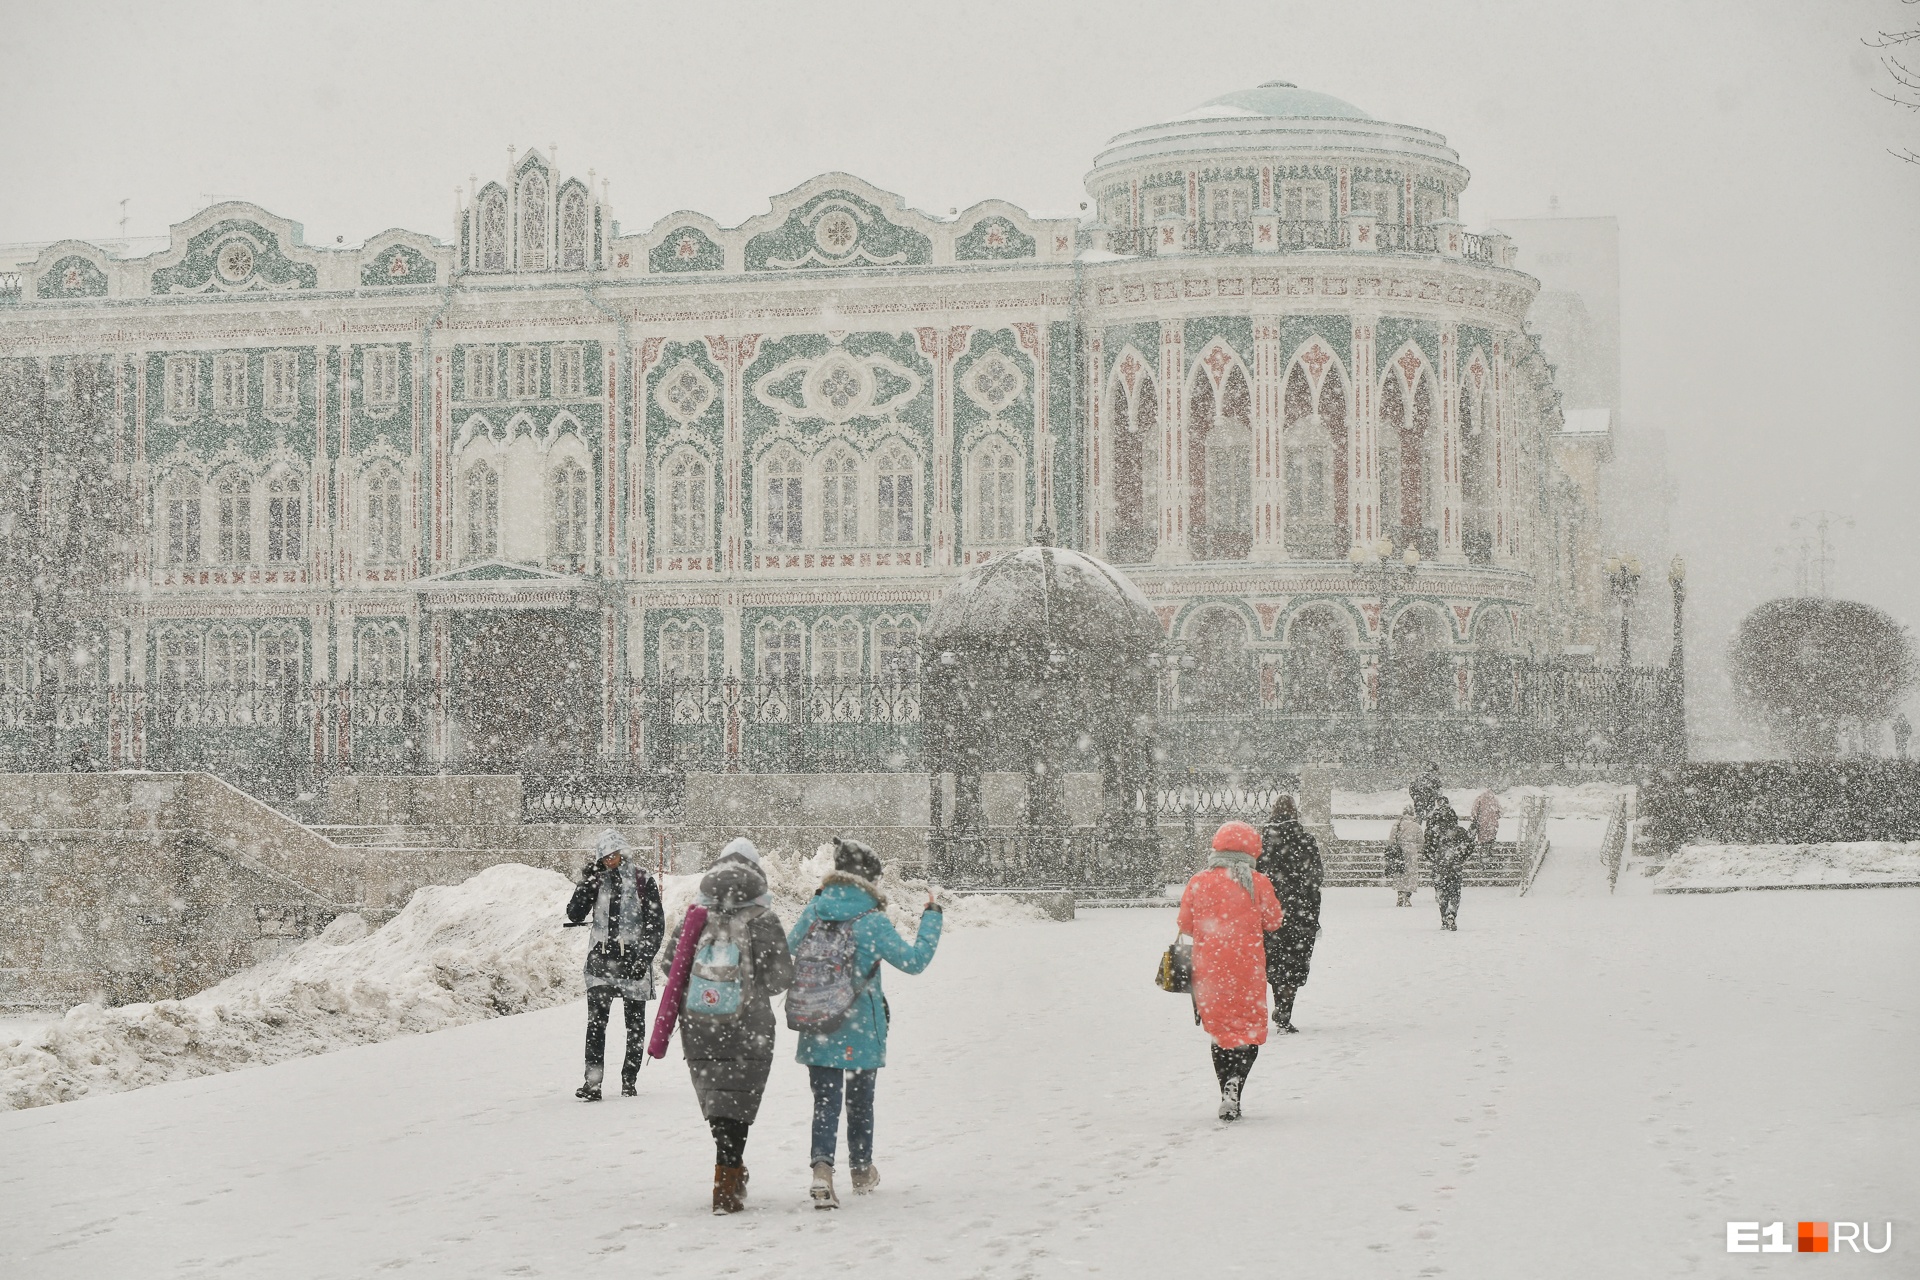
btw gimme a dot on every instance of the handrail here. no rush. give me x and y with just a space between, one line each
1533 837
1613 844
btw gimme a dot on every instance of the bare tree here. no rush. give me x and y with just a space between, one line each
1812 668
1906 75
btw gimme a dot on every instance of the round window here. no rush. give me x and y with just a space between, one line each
235 260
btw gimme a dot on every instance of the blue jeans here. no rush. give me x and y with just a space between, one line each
828 1085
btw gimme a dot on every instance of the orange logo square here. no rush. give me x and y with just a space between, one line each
1813 1237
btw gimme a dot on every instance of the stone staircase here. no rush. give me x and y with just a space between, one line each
1363 862
379 836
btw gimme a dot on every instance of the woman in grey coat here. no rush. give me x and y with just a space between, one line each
741 960
1404 849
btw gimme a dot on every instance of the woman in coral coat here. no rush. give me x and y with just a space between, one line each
1225 910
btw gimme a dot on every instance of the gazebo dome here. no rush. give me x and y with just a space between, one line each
1275 98
1043 598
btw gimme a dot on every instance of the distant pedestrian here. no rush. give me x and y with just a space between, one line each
1290 858
1227 910
1404 847
1448 848
1424 791
1902 734
1486 819
740 963
838 944
628 923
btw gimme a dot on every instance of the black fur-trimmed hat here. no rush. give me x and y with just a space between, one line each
856 859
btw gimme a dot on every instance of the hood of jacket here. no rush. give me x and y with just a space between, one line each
732 884
843 896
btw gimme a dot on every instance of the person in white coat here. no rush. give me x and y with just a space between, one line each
1404 847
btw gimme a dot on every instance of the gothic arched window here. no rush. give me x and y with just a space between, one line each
233 504
383 516
836 651
491 229
570 513
573 229
840 500
180 497
683 651
687 502
383 656
1222 462
229 657
286 519
781 650
996 495
280 653
894 477
782 496
481 502
533 221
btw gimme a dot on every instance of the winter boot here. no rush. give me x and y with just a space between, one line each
865 1179
729 1189
1283 1008
822 1189
590 1091
1230 1099
627 1088
1403 899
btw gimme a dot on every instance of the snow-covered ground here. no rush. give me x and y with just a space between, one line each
1700 867
1568 1087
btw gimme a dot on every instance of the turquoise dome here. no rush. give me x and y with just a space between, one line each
1279 98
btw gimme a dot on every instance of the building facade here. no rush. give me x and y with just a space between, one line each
1269 374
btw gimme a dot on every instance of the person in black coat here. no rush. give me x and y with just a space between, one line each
628 924
1290 858
1448 847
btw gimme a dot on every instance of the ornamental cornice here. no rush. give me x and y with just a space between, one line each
1156 288
1336 579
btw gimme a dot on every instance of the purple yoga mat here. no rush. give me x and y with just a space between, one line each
663 1021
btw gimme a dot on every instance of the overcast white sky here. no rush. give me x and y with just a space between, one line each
1770 244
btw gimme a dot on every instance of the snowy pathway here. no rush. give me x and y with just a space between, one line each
1567 1087
1572 868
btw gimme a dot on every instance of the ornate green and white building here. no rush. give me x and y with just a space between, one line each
547 446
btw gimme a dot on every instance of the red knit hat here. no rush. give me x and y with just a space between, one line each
1237 837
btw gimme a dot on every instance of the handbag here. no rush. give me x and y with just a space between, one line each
1176 968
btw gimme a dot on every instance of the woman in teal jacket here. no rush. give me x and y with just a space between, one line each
843 1063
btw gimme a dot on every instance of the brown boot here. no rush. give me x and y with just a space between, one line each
729 1189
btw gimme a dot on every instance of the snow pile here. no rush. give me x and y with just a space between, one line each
1762 866
454 954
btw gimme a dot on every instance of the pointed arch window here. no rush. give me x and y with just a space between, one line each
996 495
573 229
836 651
781 650
840 500
896 649
178 659
229 658
383 516
383 656
1314 438
533 221
233 506
1220 443
1136 501
783 500
683 651
481 500
280 654
894 477
493 229
1476 476
688 500
286 519
570 508
181 499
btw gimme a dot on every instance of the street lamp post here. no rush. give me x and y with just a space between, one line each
1378 557
1623 575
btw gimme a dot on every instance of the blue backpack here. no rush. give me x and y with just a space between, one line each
722 967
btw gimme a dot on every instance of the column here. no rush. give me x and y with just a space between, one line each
1173 446
1451 505
1363 455
1098 501
1269 448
